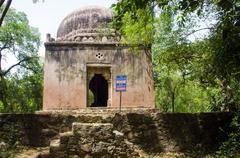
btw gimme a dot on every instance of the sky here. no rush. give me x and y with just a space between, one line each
47 15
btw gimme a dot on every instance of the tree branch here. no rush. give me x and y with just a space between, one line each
5 11
17 64
4 47
207 28
1 2
29 68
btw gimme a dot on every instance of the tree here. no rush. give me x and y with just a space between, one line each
5 8
20 41
211 60
209 66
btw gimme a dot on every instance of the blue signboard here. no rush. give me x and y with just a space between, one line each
121 83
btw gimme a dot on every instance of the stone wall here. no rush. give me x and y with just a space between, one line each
152 132
37 129
174 131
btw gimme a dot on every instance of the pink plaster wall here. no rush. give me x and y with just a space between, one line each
65 75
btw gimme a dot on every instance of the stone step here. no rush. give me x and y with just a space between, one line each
64 138
85 129
66 134
54 145
90 139
33 153
57 145
44 154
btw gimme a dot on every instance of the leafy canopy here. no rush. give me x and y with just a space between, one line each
21 81
206 64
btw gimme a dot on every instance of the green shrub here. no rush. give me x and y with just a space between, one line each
231 147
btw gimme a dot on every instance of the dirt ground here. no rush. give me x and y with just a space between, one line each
30 152
33 152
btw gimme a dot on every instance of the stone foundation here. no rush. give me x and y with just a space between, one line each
91 140
82 134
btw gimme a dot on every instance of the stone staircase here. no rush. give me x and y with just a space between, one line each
88 140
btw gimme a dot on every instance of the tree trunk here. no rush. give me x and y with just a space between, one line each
165 106
3 88
173 101
4 10
1 72
3 93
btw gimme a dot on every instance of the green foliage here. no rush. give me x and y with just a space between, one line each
176 67
21 82
137 32
192 98
25 93
207 65
20 39
231 147
135 28
90 97
189 96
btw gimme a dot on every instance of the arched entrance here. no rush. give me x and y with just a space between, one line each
98 86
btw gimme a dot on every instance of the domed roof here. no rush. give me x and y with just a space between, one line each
84 21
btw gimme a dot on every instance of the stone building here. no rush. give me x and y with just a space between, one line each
82 64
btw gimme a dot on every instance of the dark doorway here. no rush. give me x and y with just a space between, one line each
99 87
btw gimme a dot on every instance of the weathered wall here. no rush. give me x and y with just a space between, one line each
37 129
174 131
65 74
91 140
154 132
